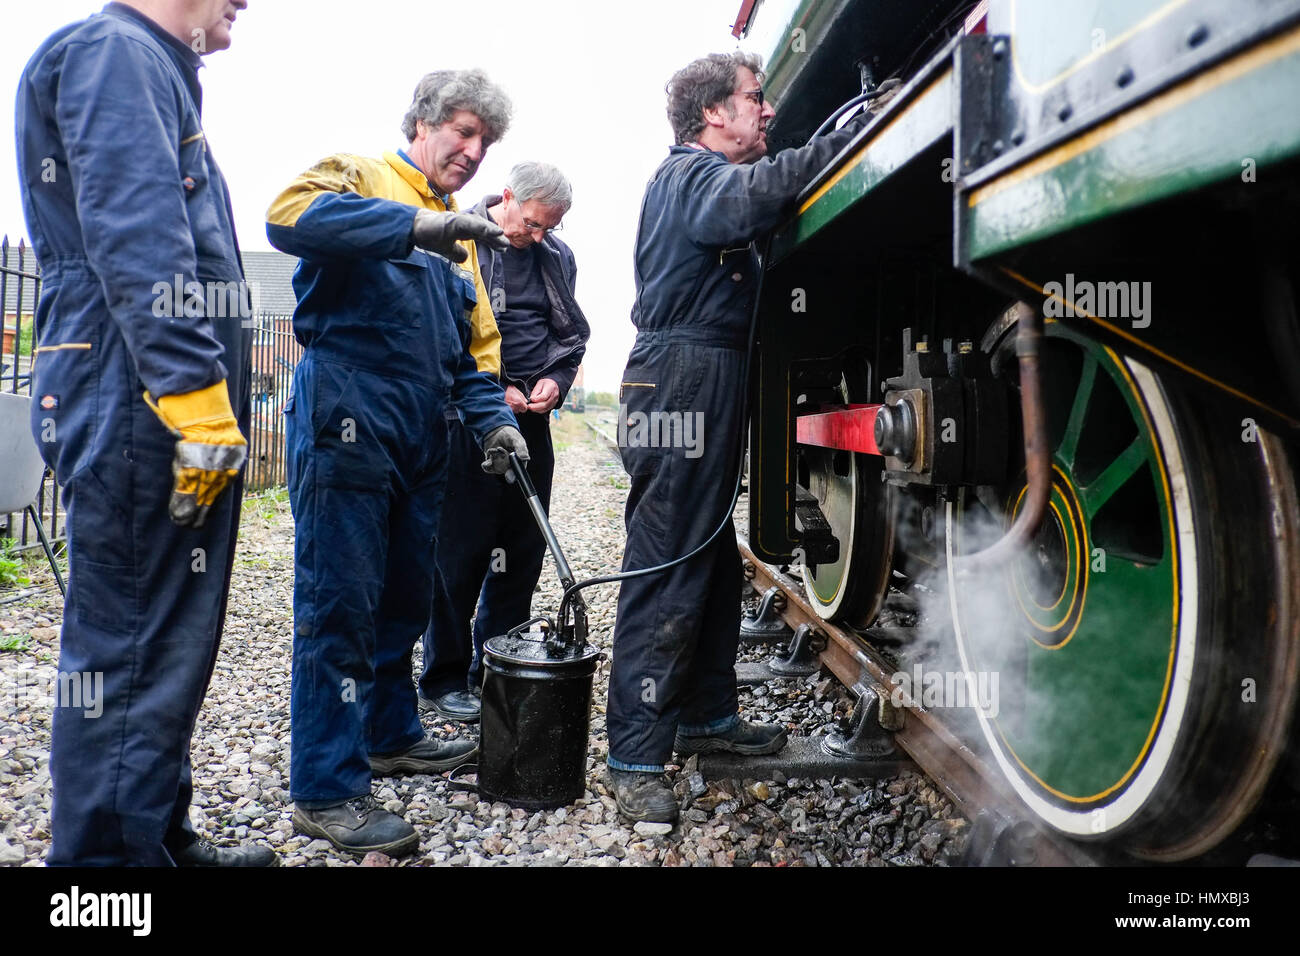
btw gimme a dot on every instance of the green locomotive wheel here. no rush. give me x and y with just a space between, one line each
858 507
1145 646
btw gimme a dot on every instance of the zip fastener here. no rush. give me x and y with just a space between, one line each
67 346
638 385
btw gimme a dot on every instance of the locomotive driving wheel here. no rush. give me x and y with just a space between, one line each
859 509
1146 644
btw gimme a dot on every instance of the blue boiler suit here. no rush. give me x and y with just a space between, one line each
676 632
125 204
386 331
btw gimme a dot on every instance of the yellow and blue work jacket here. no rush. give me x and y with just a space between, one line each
369 299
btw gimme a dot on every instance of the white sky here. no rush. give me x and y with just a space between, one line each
307 78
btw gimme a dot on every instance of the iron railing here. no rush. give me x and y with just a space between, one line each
275 355
20 290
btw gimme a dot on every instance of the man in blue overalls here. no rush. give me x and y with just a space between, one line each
673 682
387 328
140 406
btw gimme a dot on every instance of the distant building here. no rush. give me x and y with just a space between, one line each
270 278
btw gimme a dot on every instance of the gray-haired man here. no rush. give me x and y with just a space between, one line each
492 552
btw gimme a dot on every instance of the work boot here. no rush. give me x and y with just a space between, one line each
742 738
426 756
458 705
643 796
203 853
359 826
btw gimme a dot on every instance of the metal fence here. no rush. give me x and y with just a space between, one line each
20 290
274 357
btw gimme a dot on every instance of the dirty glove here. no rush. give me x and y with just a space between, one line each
209 453
441 231
498 445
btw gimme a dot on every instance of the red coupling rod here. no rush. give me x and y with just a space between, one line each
844 428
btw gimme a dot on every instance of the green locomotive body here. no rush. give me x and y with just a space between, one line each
1124 175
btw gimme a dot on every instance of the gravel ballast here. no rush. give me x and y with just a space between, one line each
241 744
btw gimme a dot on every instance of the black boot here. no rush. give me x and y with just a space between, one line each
359 826
643 796
203 853
426 756
742 738
458 705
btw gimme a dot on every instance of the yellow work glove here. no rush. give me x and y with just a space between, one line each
209 453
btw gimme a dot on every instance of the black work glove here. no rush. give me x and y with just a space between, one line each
498 445
441 232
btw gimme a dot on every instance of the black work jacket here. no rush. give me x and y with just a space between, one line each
569 331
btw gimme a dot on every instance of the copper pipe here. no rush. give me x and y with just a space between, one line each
1038 459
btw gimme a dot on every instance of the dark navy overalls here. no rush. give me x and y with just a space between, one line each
124 202
682 410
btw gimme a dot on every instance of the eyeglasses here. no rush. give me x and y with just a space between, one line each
755 95
538 227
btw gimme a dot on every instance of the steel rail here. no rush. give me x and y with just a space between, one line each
972 783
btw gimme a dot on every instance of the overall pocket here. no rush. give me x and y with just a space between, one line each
65 394
399 291
638 406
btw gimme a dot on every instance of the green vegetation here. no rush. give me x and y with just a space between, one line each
603 399
618 481
23 346
268 504
11 566
16 643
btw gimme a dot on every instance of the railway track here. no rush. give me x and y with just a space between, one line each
1003 833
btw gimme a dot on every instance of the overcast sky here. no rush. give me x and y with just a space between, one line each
307 78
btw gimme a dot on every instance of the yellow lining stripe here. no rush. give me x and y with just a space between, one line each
1130 337
1247 62
197 136
857 157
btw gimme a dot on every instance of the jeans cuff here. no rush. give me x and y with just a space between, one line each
325 804
720 726
637 767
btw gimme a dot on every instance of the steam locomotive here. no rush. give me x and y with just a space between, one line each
1050 293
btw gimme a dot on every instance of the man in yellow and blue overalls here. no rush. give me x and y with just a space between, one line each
386 317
